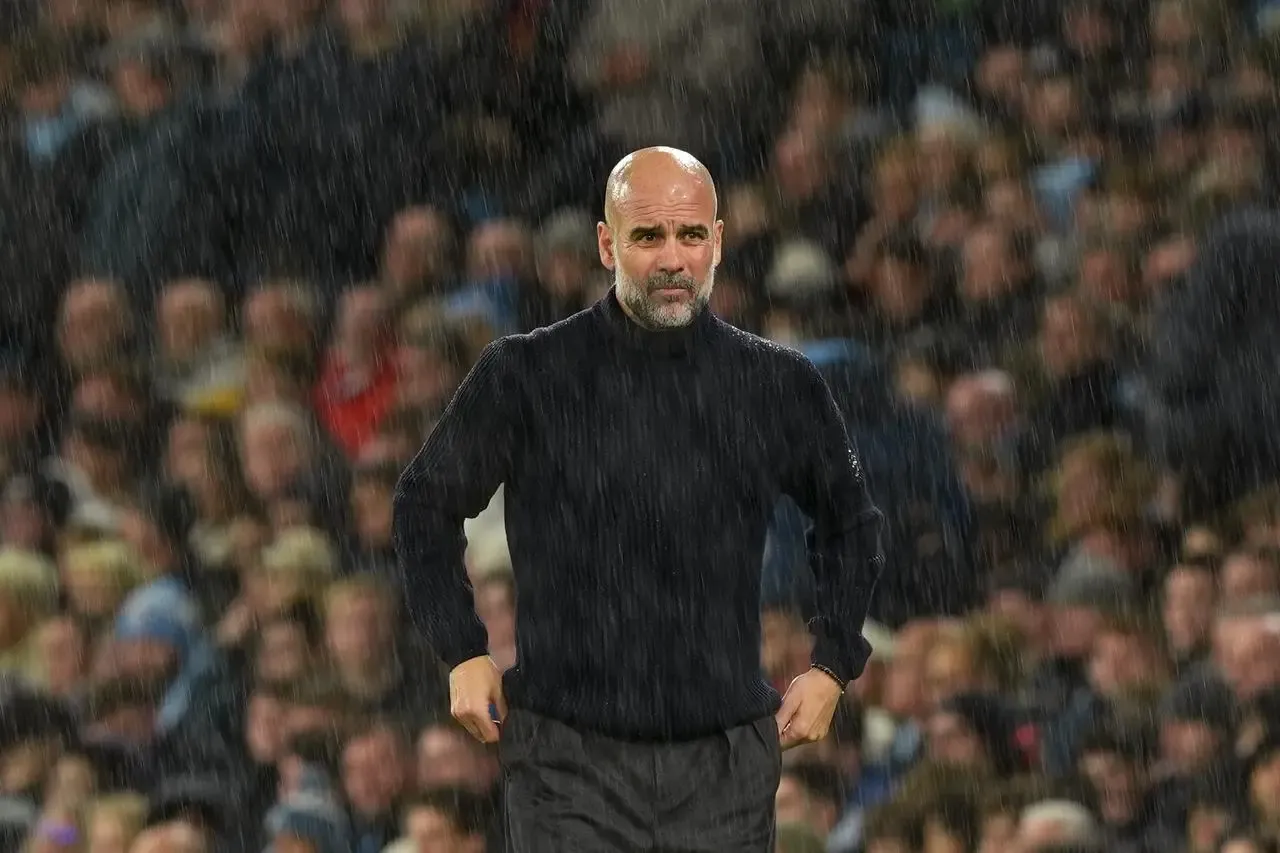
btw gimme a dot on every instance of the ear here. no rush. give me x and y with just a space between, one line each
608 250
717 231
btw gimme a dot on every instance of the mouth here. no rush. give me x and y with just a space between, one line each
672 292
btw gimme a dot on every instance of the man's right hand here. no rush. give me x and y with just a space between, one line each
475 687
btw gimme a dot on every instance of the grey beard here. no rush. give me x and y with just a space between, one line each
644 309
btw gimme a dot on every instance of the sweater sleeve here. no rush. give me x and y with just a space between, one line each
453 477
824 477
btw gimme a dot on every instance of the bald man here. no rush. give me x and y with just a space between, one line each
642 445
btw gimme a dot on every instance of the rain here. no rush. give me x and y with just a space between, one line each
285 466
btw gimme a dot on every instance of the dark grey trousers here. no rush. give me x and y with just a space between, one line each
568 791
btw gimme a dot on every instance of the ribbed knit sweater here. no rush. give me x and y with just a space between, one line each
641 469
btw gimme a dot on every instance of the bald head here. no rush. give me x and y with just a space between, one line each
660 236
651 173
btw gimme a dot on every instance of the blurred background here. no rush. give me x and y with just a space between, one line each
249 248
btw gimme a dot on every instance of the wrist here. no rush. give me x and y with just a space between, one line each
830 674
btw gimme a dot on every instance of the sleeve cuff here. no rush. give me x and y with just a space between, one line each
844 668
463 649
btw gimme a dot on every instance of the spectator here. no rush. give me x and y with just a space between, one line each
254 248
447 821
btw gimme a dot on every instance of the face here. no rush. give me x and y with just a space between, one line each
63 651
445 759
72 783
989 268
283 653
264 729
1067 342
425 378
496 609
372 507
186 453
358 630
415 250
190 317
432 832
791 805
1243 650
1120 662
663 246
93 323
949 670
904 682
1020 609
373 773
1205 827
1073 629
1190 596
952 743
998 833
1188 745
1115 782
1245 576
273 322
107 834
1264 788
900 289
362 319
273 458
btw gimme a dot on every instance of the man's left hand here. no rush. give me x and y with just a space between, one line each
807 708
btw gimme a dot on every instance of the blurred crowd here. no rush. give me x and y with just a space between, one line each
250 248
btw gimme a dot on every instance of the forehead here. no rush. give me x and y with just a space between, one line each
678 199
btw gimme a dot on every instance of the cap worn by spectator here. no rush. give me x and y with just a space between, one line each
160 612
303 551
1108 592
312 814
1200 699
801 270
568 230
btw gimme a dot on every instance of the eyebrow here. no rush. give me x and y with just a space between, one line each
656 230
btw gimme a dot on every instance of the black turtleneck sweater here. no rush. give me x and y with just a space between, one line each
641 470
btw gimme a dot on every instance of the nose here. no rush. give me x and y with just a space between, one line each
671 259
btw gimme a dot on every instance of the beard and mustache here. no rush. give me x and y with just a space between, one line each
656 313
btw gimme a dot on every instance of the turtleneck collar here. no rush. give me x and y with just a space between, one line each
676 341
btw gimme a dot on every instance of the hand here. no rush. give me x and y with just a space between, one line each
475 686
807 708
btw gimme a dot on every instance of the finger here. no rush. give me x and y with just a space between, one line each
488 730
792 737
480 726
500 702
467 724
786 714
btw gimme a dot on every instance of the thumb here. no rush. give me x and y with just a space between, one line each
790 705
499 701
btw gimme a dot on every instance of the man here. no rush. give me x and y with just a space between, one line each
642 445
